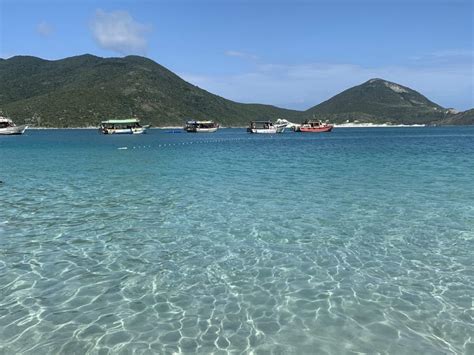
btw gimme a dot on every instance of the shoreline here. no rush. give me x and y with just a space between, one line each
376 125
342 125
41 128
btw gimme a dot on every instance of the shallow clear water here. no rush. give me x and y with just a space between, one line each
360 240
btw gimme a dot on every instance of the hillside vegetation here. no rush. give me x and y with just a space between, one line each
380 101
84 90
461 118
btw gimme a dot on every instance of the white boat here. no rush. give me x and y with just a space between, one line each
7 127
289 125
265 127
128 126
201 126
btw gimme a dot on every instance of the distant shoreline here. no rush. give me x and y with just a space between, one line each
40 128
342 125
375 125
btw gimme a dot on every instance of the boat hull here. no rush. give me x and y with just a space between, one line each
202 130
316 129
262 131
13 130
271 130
139 130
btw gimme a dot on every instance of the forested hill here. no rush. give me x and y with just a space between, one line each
379 101
84 90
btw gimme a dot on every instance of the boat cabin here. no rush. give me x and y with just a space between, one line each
201 126
6 122
128 123
261 125
314 124
127 126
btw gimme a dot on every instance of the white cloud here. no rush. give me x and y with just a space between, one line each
44 29
305 85
240 54
119 32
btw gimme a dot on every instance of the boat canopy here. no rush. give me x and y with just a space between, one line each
199 122
131 120
5 119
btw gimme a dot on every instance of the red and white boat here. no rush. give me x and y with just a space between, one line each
315 126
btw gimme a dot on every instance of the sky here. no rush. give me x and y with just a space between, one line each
292 54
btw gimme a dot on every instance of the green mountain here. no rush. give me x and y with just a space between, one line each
461 118
83 90
379 101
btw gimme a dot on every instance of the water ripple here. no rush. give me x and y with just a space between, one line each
354 242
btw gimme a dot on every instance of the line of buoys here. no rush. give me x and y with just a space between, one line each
219 140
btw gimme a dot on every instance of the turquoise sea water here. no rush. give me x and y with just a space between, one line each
356 241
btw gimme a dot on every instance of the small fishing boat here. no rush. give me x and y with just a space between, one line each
268 127
201 126
128 126
315 126
7 127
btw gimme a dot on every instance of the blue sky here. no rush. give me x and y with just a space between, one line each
292 54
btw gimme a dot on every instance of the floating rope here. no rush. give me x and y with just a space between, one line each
204 141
